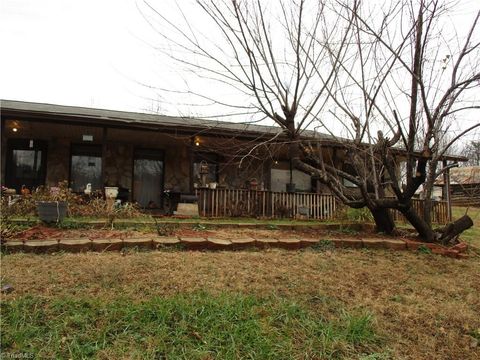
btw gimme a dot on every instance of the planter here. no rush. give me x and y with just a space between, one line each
213 185
51 211
111 192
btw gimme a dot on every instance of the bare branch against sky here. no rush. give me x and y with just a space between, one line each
104 54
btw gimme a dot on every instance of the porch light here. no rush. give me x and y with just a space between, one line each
14 129
197 143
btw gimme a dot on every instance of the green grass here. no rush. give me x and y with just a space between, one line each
195 326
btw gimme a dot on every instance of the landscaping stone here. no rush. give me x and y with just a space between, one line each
162 241
373 243
452 253
138 242
186 209
352 243
265 242
413 245
7 289
289 243
215 243
460 247
75 245
338 243
239 243
107 244
14 246
44 246
306 242
395 244
194 242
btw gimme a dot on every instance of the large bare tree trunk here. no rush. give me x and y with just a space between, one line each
423 228
455 228
383 220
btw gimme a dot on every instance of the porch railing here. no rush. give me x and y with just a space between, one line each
267 204
439 211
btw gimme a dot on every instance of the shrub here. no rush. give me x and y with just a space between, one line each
93 205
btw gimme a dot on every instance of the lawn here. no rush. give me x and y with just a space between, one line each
277 304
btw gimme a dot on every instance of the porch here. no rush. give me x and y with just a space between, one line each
219 203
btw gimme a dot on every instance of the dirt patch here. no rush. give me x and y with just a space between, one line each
41 232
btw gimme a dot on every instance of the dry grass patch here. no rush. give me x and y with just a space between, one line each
424 306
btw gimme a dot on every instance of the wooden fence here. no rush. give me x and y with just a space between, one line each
269 204
266 204
439 211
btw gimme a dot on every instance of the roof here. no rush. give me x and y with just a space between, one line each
103 116
467 175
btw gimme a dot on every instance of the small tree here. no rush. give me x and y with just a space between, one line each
375 78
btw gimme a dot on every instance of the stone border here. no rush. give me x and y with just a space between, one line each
211 243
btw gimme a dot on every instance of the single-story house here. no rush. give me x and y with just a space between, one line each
464 185
146 156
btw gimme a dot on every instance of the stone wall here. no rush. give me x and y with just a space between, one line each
177 169
119 165
58 161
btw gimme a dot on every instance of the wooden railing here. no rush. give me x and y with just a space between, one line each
266 204
439 211
269 204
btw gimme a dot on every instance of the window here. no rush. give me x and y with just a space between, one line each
86 167
280 177
26 163
348 168
212 162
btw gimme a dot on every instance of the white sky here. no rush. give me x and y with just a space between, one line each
88 53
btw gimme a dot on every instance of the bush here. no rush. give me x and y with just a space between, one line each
93 205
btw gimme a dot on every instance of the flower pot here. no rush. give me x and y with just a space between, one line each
213 185
111 192
51 211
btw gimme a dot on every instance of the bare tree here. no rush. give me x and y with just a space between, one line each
472 151
374 77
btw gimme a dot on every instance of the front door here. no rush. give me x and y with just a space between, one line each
26 163
148 178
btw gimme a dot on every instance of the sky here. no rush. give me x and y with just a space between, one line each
86 53
92 53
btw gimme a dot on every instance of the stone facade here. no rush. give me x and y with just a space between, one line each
118 165
177 169
57 161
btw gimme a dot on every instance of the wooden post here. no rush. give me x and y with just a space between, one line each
446 190
104 151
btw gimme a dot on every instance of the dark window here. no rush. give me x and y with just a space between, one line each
86 167
348 168
211 160
148 177
26 163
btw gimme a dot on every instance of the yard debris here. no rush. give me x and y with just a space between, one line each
7 289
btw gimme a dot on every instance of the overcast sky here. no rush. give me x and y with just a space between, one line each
92 53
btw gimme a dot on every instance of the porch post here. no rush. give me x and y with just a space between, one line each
446 190
104 150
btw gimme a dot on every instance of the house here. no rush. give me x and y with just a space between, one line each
464 185
142 154
154 157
